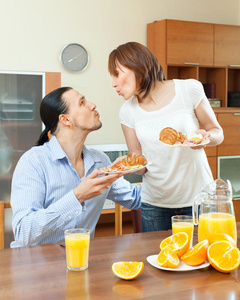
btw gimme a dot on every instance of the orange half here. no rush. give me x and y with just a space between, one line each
168 258
179 242
127 269
223 256
197 254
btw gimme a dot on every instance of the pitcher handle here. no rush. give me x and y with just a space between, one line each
196 202
230 189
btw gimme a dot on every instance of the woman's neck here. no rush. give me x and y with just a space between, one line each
159 96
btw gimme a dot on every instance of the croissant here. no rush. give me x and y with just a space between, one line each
131 161
170 136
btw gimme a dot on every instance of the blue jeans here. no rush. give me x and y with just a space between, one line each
158 218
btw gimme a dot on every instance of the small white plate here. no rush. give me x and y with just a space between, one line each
206 141
127 171
152 259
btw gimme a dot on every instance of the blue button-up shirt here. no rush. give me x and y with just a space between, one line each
42 197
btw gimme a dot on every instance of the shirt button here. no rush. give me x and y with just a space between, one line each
69 217
76 212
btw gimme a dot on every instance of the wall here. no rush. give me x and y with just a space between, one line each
34 32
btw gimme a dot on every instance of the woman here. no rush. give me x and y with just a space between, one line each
174 175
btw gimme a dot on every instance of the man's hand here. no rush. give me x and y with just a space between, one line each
92 186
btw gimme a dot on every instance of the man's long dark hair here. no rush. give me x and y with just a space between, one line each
51 107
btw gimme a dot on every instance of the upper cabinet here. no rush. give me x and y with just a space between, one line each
227 45
204 51
189 43
181 42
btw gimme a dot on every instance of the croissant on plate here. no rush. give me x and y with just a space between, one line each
132 159
170 136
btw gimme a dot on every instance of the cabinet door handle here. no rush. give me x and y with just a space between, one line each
236 114
193 64
234 66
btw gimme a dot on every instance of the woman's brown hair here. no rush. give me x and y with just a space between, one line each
141 61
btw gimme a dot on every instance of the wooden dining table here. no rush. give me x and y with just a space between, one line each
40 272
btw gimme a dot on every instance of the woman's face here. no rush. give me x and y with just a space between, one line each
124 82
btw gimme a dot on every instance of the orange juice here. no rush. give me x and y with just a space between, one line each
77 249
216 222
183 227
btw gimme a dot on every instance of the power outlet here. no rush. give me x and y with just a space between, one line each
109 204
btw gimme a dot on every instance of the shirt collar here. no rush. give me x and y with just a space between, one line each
90 157
56 149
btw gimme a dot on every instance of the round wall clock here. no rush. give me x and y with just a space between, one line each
74 58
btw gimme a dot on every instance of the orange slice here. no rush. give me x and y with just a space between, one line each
168 258
216 237
127 269
223 256
197 254
179 242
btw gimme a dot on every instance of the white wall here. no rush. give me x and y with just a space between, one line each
34 32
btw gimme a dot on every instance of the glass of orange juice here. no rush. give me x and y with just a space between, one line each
77 242
183 223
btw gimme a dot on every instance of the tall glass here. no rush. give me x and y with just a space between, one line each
77 242
183 223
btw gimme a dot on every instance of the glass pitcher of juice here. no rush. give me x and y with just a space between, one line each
216 212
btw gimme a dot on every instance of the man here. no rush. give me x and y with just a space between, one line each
57 184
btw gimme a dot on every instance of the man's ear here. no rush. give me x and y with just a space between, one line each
64 119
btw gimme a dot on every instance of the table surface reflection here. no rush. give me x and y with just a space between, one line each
39 272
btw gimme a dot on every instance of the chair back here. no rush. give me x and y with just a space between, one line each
3 205
136 218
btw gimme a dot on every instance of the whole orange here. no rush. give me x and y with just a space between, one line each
221 237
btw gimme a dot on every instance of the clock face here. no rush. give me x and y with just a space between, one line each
74 58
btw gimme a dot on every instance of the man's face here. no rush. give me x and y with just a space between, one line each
81 112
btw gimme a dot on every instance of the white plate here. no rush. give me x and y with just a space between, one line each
207 141
127 171
152 259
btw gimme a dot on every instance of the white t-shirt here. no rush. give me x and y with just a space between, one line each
175 174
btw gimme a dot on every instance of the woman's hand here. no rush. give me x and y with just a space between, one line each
93 186
209 122
205 135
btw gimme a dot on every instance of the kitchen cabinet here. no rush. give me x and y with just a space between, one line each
203 51
181 42
189 42
20 123
212 160
230 123
226 45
